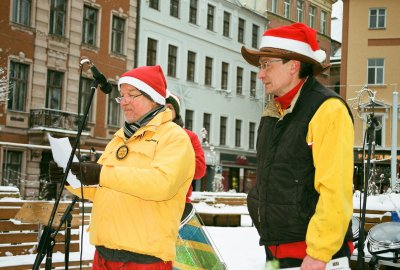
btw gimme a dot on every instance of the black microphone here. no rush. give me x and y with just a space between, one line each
105 85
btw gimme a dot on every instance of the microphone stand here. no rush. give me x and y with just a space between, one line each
47 239
370 133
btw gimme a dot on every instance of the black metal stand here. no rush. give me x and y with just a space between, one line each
370 132
47 240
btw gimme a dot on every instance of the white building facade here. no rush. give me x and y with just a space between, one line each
197 43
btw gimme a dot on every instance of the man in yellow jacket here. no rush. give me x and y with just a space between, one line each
140 181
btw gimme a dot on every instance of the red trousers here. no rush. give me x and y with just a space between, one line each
100 263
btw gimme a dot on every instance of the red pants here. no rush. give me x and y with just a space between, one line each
100 263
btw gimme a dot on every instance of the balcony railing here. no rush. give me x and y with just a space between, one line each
55 119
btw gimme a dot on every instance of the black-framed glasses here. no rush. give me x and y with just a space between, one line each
119 99
266 64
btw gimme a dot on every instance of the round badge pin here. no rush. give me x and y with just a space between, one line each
122 152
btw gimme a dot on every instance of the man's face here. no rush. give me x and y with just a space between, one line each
277 75
134 103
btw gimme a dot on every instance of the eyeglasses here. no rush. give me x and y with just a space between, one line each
119 99
265 65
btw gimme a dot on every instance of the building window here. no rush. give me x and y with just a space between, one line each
222 130
172 60
54 89
286 9
379 133
224 76
89 25
153 4
18 85
322 25
174 8
12 168
239 81
84 97
376 68
311 16
274 6
226 24
193 11
252 133
21 12
299 10
189 119
151 52
377 18
58 14
207 124
241 27
238 132
118 35
114 110
208 71
210 17
254 36
253 83
191 66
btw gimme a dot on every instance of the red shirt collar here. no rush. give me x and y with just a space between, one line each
285 100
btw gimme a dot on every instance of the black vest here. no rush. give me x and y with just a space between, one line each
284 198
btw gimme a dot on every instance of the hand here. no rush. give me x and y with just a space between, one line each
310 263
88 172
56 173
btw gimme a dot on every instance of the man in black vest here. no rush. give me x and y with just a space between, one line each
302 202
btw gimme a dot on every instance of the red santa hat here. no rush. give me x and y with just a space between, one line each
296 42
148 79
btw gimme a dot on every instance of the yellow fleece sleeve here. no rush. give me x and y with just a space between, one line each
331 134
88 192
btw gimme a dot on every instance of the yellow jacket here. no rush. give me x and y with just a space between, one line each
140 199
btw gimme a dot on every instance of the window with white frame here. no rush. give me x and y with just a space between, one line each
89 25
376 68
241 26
118 35
208 71
239 81
189 119
54 89
193 11
252 135
377 18
191 66
286 9
151 52
12 168
253 84
210 17
114 110
21 12
18 85
274 6
300 11
174 8
85 96
172 60
207 124
226 24
222 130
238 132
322 22
224 75
311 16
379 131
254 36
58 15
153 4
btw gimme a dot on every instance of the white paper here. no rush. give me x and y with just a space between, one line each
61 149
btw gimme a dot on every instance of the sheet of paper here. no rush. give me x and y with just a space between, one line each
61 149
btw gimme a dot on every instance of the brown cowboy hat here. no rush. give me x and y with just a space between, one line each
293 42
